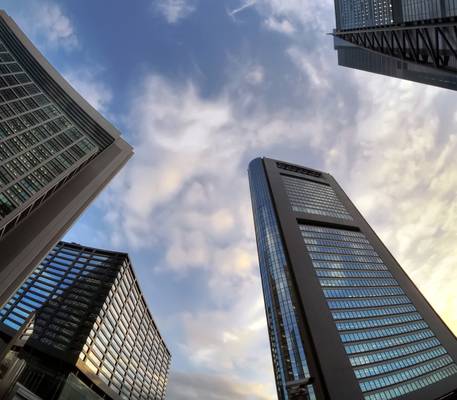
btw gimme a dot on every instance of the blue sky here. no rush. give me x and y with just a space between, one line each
200 87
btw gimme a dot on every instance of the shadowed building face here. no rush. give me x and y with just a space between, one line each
345 321
87 322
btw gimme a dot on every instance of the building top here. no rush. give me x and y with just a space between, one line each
45 74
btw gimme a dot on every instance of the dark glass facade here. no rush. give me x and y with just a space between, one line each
366 332
56 154
408 39
352 56
83 307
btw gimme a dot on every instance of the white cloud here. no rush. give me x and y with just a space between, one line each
175 10
50 26
282 25
255 75
88 84
245 5
287 16
195 386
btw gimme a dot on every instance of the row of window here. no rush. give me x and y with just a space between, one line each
399 364
366 292
382 332
396 352
352 274
336 243
357 282
29 142
386 343
386 301
405 375
375 312
345 258
325 213
414 385
349 266
373 323
337 233
342 250
23 106
332 236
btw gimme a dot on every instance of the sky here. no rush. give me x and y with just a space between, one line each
201 87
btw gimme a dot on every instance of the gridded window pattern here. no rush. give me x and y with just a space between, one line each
364 13
86 302
391 348
285 336
60 296
314 198
124 347
39 145
417 10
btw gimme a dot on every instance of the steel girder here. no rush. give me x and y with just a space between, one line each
434 45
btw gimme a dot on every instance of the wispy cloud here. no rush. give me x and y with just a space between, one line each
244 6
175 10
195 386
88 83
50 26
282 25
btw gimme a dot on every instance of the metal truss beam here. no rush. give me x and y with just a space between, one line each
434 45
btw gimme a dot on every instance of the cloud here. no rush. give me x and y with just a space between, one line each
245 5
289 16
49 25
175 10
88 84
209 387
255 75
281 25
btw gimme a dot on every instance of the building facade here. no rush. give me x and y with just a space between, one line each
82 326
344 319
356 57
56 154
418 33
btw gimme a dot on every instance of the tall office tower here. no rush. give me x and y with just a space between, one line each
79 327
56 154
344 319
420 34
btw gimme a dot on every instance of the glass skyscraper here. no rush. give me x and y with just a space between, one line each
56 154
344 319
79 325
408 39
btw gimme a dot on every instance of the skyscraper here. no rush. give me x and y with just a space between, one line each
56 154
418 34
344 319
85 331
